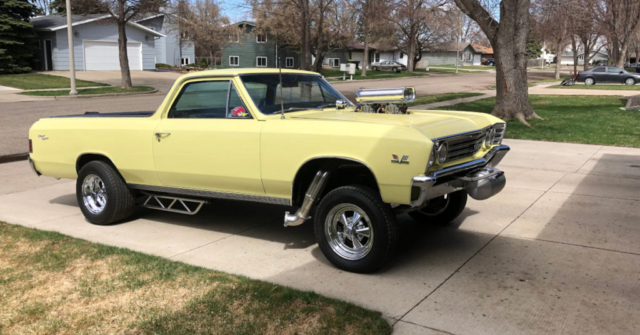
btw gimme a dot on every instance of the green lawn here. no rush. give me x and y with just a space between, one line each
34 81
549 80
494 86
430 98
53 283
331 75
452 70
619 87
578 119
88 91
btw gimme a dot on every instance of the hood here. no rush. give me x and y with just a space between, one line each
433 124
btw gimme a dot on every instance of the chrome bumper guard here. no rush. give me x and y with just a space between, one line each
33 167
479 178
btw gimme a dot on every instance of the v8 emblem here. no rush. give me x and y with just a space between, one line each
404 160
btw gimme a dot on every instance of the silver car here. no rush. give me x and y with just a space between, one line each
388 66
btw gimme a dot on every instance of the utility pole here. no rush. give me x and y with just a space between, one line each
72 63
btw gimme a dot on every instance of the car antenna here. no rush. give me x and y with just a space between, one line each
281 95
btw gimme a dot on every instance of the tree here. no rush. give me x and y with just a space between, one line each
122 11
178 23
43 7
369 12
16 36
508 37
553 21
207 27
619 20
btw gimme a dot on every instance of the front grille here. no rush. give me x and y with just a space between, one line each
464 145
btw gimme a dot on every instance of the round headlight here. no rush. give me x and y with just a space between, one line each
491 134
441 153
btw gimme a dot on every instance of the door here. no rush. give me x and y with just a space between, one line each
209 141
104 55
599 74
48 59
613 75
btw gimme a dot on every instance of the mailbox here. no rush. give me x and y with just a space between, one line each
351 68
343 67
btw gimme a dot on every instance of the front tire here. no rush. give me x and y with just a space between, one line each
395 70
442 210
630 82
589 81
355 230
102 194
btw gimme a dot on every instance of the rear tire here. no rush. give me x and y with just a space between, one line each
367 239
102 194
375 68
395 70
589 81
442 210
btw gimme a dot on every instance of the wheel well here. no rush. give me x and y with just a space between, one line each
343 172
86 158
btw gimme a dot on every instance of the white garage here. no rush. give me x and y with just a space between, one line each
103 55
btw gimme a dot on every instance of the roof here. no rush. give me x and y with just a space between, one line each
481 49
239 71
359 46
451 47
245 23
58 22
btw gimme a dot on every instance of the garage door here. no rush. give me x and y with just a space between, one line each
101 56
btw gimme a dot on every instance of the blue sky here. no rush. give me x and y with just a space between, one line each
236 10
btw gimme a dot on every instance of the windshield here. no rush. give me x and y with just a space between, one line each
299 92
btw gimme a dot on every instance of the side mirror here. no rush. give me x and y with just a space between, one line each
621 72
341 104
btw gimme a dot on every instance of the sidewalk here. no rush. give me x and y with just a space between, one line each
563 233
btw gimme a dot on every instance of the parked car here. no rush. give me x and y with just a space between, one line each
287 140
488 61
388 66
601 63
607 74
633 67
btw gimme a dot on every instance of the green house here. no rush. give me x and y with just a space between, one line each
249 48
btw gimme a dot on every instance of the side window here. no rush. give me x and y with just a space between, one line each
600 69
201 100
237 109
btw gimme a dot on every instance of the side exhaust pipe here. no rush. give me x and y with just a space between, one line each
300 216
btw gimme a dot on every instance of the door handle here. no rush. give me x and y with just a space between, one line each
160 135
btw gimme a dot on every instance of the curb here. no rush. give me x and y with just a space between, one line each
65 97
14 157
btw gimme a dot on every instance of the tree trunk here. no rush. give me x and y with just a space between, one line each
637 52
365 58
412 51
305 25
574 49
124 60
509 45
558 59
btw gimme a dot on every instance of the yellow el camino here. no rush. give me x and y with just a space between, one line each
287 139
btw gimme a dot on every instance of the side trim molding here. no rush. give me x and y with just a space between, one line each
212 194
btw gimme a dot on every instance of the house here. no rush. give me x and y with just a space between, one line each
250 48
173 49
567 57
95 43
485 52
377 53
445 54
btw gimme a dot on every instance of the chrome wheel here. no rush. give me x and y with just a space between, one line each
589 81
436 206
349 231
94 194
630 81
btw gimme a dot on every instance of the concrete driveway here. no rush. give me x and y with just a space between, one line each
556 252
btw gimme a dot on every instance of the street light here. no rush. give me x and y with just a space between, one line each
72 63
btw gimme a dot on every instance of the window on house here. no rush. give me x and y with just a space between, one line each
261 61
261 38
401 54
234 37
375 57
289 62
234 60
335 62
185 60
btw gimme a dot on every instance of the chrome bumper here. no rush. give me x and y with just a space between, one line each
33 167
478 177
